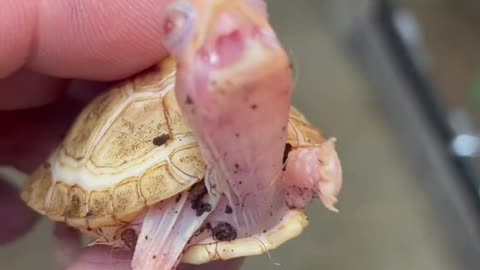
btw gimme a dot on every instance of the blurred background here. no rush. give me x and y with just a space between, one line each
398 83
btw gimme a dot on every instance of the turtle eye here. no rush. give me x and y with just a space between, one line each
177 25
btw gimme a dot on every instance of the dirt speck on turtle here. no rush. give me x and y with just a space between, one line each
223 231
196 195
288 149
161 140
188 100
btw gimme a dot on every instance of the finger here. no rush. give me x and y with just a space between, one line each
27 89
67 244
18 218
82 39
102 258
28 136
17 30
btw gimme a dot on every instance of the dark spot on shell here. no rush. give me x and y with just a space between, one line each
264 231
129 237
161 140
223 231
188 100
237 166
254 106
240 182
228 209
237 135
146 237
154 257
284 128
89 229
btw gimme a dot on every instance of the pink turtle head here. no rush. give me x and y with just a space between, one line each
220 44
233 86
220 33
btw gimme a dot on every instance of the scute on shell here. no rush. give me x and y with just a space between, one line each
111 166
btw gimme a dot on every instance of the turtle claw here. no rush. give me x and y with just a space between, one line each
329 201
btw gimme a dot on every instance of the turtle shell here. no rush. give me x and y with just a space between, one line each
130 148
127 150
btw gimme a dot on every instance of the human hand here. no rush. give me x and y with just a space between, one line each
44 47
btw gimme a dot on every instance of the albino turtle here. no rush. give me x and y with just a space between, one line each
225 172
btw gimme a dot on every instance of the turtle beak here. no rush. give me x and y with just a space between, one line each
234 34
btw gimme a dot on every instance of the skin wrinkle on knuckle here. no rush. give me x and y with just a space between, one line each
17 32
105 40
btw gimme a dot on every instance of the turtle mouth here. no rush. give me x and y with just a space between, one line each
237 37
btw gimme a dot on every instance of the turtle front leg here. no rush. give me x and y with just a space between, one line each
312 170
